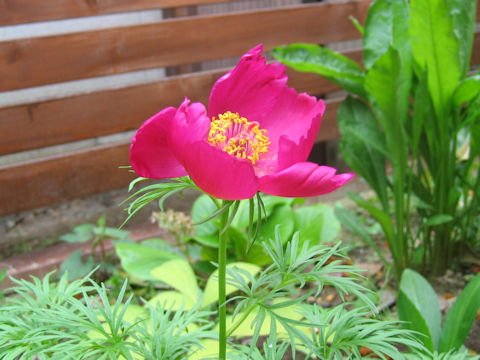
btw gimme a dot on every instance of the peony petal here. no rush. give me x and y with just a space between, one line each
189 125
150 153
219 174
303 180
250 88
289 152
296 116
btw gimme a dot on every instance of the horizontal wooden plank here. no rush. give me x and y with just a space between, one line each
26 11
31 62
44 182
65 120
57 179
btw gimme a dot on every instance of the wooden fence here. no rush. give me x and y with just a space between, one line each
43 60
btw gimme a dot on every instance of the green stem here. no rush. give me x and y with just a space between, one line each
222 269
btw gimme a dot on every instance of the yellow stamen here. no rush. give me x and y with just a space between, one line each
238 137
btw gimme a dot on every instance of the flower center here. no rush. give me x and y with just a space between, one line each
238 137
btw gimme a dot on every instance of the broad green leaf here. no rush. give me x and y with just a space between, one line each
139 260
134 313
210 294
75 266
111 233
475 139
422 113
271 202
418 305
179 275
210 240
160 244
435 47
388 81
386 24
438 220
245 329
460 317
208 350
381 216
81 233
352 222
202 208
472 116
357 122
3 275
463 14
171 299
323 61
467 90
316 223
281 215
362 145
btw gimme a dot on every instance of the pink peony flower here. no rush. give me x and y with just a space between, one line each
255 136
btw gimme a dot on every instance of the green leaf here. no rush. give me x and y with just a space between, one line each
316 223
435 47
281 215
81 233
438 220
160 244
386 25
207 240
467 90
174 300
460 317
463 14
357 121
357 25
75 266
210 294
271 202
202 208
323 61
422 112
388 81
3 275
139 260
352 222
133 313
291 312
362 145
207 350
112 233
179 275
418 305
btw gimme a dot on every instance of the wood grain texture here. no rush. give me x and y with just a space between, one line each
47 123
61 178
45 182
26 11
53 59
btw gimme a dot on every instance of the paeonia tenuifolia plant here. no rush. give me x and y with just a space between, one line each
255 136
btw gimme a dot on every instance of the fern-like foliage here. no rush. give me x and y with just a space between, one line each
76 321
296 274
